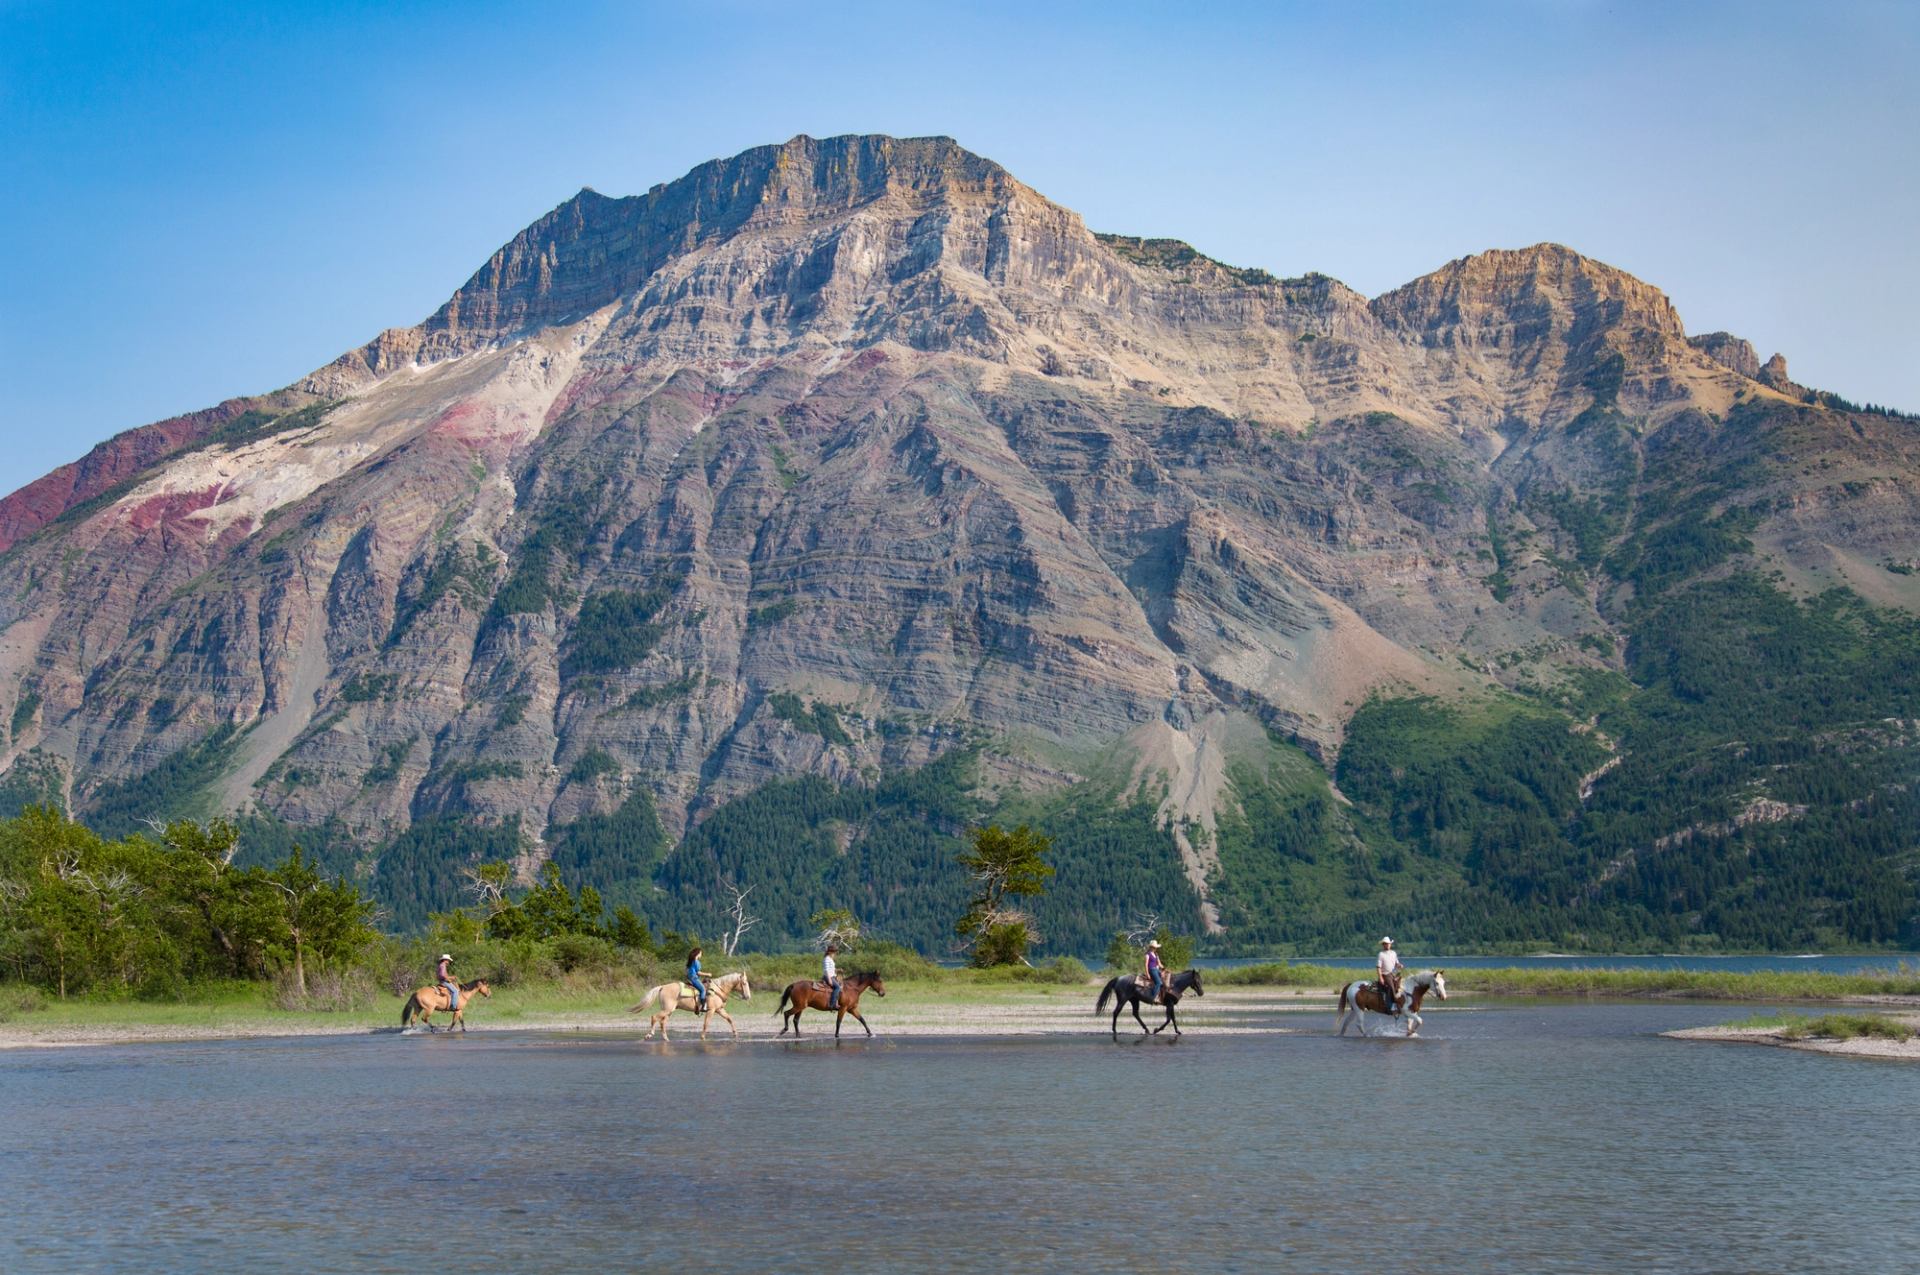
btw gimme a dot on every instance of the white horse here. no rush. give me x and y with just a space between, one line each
674 996
1361 997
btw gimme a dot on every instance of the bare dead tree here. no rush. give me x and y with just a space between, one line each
487 883
742 919
1146 925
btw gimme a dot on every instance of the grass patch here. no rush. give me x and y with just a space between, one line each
1762 985
1848 1027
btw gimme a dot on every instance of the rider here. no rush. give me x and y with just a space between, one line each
831 977
1390 972
443 973
699 984
1156 972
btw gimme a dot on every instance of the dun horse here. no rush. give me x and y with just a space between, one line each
1128 993
807 994
1365 995
674 996
430 999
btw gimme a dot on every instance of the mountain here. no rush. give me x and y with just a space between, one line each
773 524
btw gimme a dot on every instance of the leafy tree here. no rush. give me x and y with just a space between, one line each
310 915
1004 866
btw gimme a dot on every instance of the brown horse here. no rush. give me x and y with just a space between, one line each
807 994
1365 995
674 996
428 999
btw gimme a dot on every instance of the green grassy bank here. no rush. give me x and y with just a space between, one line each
1691 984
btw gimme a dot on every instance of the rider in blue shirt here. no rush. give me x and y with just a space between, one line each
699 984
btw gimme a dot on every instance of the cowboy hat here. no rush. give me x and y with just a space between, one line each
1386 942
445 957
1154 943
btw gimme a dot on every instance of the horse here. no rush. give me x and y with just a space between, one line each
808 994
434 997
1126 989
681 996
1365 995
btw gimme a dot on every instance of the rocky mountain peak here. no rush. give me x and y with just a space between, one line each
1729 351
1545 289
595 249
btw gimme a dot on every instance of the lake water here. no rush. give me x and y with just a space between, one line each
1524 1138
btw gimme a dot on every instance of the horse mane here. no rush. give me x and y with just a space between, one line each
467 987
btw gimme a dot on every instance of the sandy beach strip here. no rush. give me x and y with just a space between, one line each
1858 1047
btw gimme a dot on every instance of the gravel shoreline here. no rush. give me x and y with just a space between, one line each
899 1015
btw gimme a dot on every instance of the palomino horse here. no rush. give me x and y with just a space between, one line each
807 994
428 999
674 996
1129 994
1365 995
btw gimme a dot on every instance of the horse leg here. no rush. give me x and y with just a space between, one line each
1136 1018
862 1021
730 1023
839 1018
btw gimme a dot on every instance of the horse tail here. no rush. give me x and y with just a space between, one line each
651 996
406 1011
786 994
1100 1006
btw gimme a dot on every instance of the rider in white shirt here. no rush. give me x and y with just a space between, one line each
831 977
1390 970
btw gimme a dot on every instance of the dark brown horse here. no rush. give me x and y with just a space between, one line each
807 994
428 999
1127 993
1364 994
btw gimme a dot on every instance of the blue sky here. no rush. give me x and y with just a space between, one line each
208 200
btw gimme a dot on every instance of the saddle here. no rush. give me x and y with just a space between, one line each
1144 985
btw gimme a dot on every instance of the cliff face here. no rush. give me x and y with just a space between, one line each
870 424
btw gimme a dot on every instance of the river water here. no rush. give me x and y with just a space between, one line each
1522 1137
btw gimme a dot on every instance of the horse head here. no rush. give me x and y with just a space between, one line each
1193 981
746 988
873 982
481 986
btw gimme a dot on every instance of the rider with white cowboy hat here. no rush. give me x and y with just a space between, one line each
443 971
1390 970
1156 972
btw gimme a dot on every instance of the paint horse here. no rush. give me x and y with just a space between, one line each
1128 993
429 1000
674 996
1365 995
